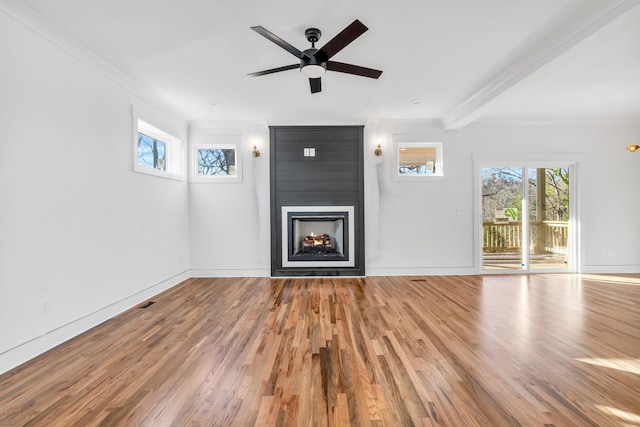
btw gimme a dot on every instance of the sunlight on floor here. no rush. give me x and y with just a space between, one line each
629 417
634 281
626 365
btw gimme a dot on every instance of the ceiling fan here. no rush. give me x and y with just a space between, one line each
314 62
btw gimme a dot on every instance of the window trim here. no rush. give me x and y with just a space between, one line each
173 151
196 178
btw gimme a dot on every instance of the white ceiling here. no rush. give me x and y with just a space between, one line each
463 59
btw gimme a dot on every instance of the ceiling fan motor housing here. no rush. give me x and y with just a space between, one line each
312 65
310 58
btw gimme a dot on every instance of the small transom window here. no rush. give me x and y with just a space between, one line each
417 160
216 163
156 152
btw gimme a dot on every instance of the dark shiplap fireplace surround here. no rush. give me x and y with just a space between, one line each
317 201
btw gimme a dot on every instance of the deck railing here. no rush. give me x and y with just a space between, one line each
508 237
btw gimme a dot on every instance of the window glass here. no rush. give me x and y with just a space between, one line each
152 153
417 161
414 161
217 162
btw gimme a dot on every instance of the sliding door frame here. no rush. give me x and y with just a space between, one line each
570 161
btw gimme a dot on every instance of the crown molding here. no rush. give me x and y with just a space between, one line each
25 16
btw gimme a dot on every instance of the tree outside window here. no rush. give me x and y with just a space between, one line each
152 153
502 188
217 162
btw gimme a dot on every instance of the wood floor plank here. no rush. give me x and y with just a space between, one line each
539 350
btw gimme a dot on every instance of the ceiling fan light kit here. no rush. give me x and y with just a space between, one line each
315 62
313 71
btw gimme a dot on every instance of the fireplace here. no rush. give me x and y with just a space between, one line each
318 236
317 200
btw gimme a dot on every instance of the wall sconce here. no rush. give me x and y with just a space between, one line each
632 148
255 152
378 151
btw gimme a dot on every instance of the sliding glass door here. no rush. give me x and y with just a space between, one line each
525 218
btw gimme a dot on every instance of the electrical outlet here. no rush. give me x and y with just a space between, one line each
609 252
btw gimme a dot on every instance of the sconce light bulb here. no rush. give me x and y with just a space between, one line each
632 148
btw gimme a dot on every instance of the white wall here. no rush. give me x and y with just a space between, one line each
230 228
415 228
82 236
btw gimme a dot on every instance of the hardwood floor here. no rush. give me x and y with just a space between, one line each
542 350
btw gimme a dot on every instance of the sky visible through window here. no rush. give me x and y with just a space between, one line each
151 152
216 161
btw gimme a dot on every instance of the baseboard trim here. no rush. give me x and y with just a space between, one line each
611 269
222 272
421 271
24 352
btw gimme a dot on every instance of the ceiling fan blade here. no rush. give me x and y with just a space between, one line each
274 70
341 67
277 40
339 42
316 85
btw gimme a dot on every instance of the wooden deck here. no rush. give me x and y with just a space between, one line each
541 350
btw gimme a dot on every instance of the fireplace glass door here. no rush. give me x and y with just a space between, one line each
318 237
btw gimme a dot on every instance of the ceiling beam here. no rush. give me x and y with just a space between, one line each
553 44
